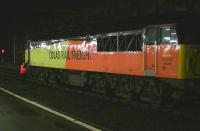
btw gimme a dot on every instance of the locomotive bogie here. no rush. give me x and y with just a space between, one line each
144 89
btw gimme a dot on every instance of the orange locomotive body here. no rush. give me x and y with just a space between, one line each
107 62
157 59
151 64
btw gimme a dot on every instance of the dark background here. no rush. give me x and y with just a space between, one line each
42 20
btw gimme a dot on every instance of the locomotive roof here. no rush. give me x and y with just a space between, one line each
102 35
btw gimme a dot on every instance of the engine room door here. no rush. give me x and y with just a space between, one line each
150 49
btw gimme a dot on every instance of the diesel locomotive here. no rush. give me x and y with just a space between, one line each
156 64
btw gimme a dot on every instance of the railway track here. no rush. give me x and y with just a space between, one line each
13 73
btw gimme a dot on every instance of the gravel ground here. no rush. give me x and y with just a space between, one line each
103 113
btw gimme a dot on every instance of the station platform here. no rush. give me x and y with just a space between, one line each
16 115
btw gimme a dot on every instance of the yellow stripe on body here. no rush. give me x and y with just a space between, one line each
182 64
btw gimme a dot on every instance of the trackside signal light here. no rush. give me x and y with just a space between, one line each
2 51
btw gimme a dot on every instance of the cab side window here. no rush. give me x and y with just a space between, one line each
168 35
120 42
151 35
173 38
165 35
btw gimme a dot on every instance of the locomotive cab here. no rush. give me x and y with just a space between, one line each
160 51
172 51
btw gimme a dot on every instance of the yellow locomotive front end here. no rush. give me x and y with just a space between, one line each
189 52
189 61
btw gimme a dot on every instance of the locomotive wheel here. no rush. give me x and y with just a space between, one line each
89 82
31 72
99 85
65 79
51 77
41 75
148 91
35 73
58 76
112 83
97 82
46 76
124 88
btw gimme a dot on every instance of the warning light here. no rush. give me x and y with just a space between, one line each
2 51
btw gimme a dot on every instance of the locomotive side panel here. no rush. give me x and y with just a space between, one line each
161 53
84 56
48 55
150 56
80 55
130 63
167 61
